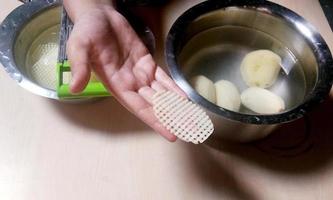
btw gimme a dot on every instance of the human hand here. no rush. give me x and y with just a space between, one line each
103 41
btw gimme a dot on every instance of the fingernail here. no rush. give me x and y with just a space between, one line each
72 87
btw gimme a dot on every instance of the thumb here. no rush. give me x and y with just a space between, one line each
78 56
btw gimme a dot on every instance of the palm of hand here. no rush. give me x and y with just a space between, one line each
103 41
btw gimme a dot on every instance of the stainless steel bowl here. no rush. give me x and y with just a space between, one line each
17 33
211 38
23 26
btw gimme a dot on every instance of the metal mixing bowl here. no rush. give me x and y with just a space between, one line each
211 38
18 32
21 30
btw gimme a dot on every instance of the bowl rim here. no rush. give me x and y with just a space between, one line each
10 29
317 44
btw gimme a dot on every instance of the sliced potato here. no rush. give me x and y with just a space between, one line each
227 95
260 68
205 87
262 101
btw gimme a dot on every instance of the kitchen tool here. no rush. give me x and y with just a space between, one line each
42 57
213 37
34 25
181 117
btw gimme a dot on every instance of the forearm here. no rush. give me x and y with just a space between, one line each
75 8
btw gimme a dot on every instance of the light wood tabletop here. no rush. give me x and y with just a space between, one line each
52 150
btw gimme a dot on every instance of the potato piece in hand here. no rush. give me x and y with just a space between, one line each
262 101
260 68
227 95
205 87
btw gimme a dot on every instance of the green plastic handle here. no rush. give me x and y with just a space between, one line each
93 88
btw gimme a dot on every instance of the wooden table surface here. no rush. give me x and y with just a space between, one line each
51 150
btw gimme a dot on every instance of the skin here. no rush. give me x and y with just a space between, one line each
103 41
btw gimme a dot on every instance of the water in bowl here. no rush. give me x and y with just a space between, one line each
42 56
218 52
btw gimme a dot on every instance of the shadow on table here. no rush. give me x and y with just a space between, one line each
302 147
215 172
105 115
290 150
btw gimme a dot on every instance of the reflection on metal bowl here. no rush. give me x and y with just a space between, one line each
211 39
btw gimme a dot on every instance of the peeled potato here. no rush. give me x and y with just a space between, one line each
227 95
262 101
260 68
204 87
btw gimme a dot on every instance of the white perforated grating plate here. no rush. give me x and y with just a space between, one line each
44 70
181 117
42 58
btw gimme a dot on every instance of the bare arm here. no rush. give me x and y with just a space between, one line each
76 8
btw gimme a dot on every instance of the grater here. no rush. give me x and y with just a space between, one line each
93 89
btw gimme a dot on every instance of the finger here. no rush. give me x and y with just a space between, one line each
167 82
148 116
147 64
158 86
158 127
143 110
144 70
147 93
78 56
141 77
